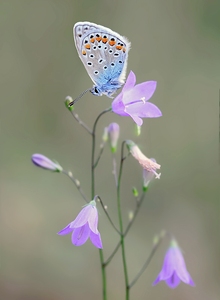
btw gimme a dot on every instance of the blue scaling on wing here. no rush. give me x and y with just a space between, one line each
104 54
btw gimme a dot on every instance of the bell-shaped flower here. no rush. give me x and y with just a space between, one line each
85 226
45 163
174 268
146 163
132 101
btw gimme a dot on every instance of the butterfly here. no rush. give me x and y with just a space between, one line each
104 54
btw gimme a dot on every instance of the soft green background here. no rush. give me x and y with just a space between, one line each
176 43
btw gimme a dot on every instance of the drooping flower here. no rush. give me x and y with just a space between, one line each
174 268
45 163
113 133
146 163
132 101
148 176
85 226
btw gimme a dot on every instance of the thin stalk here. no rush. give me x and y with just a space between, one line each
77 184
113 254
139 203
104 283
110 220
114 171
121 224
77 118
93 151
100 154
154 249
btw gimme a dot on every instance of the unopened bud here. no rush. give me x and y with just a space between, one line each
45 163
135 191
130 215
113 133
69 100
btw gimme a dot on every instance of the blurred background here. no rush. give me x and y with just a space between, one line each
176 43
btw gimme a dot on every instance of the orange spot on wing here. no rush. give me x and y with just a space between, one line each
112 43
87 46
98 38
92 40
104 40
119 47
84 52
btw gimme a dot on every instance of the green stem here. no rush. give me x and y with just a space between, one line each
77 118
104 283
77 184
107 215
139 203
154 249
121 224
93 165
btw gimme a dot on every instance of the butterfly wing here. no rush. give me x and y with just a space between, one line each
104 54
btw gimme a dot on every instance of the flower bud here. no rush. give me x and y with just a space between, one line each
130 215
45 163
113 133
135 191
68 100
105 135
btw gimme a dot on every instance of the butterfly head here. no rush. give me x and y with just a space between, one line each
96 91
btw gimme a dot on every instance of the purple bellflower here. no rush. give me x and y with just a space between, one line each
174 268
85 226
132 101
45 163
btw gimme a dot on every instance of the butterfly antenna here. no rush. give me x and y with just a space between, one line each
80 96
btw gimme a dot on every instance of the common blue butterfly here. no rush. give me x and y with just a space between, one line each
104 54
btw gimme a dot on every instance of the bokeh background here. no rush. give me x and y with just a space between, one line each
176 43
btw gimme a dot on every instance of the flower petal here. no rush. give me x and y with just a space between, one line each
80 235
130 82
118 105
65 230
96 239
82 217
143 110
93 220
143 91
173 281
136 119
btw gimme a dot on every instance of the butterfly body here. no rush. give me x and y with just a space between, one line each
104 54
